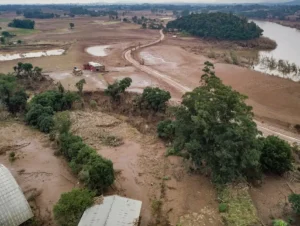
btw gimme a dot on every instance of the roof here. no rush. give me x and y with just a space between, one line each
114 211
94 64
14 208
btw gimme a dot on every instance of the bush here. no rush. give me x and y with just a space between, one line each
45 123
117 88
35 111
166 130
70 145
62 122
279 223
55 99
26 24
155 99
17 102
294 199
100 172
222 207
70 207
276 155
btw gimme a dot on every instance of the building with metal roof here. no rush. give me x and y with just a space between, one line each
114 211
14 208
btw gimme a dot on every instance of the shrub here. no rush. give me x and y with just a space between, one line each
155 98
35 111
294 199
45 123
62 122
276 155
100 172
279 223
70 145
222 207
117 88
93 104
166 130
17 102
70 207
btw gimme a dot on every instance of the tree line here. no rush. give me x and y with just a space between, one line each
218 25
26 24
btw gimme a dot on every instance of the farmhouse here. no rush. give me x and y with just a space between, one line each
93 66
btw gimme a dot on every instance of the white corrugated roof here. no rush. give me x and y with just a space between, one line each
114 211
14 208
94 64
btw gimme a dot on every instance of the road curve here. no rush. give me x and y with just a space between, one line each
265 129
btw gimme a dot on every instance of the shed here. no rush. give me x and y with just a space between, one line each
114 211
14 208
93 66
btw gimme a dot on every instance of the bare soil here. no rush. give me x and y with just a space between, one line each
42 176
146 174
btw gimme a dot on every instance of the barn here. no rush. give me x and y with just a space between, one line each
93 66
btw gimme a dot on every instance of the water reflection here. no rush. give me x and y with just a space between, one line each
284 61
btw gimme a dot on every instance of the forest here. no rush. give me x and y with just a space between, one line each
26 24
218 25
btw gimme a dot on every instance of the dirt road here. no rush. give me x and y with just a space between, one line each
265 129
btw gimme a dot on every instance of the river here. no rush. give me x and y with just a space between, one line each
288 48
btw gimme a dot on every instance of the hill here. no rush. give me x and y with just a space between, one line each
218 25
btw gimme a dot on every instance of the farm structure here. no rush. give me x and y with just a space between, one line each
93 66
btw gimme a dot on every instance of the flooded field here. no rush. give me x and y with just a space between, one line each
98 50
283 61
8 57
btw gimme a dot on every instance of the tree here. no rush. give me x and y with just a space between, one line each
70 207
215 127
17 102
276 155
117 88
36 113
144 25
155 99
72 25
79 85
294 199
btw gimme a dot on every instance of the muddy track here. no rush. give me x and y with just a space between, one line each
265 129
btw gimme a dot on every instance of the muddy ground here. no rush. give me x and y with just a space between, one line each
144 171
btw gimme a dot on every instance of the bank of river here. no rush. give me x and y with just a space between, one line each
288 49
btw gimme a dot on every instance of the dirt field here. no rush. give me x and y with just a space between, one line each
146 174
38 172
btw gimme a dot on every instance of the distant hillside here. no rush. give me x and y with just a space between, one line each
223 26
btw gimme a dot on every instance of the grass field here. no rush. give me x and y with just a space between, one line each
22 32
3 20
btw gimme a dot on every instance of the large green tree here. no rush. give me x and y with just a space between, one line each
215 126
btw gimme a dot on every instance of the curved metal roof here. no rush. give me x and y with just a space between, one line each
14 208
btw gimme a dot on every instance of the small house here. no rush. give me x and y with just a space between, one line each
113 211
93 66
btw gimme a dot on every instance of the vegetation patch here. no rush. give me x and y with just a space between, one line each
239 210
70 207
223 26
111 140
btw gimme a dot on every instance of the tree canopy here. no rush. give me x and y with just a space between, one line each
26 24
215 127
223 26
